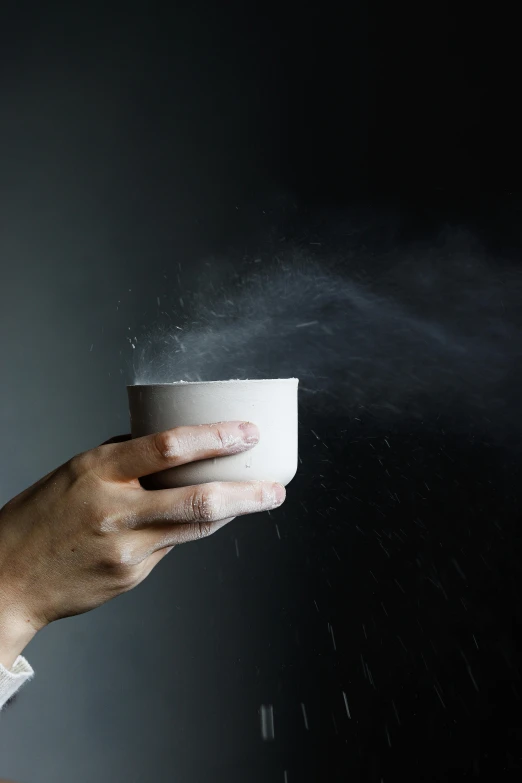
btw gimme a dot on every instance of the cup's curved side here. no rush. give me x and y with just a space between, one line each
273 407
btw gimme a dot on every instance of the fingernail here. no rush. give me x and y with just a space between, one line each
279 493
249 432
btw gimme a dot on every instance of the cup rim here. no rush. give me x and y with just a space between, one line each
208 383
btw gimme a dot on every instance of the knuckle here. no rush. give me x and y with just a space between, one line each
103 522
204 530
205 504
222 438
88 462
116 561
79 465
167 445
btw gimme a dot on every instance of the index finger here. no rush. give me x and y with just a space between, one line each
153 453
115 439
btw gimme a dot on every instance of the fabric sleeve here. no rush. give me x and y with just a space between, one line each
12 679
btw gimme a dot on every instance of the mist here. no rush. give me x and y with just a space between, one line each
406 333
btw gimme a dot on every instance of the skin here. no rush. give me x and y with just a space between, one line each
89 531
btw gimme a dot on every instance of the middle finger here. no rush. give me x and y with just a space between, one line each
204 503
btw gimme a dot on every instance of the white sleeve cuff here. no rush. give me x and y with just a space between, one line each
12 679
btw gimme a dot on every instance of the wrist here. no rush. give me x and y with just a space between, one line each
16 631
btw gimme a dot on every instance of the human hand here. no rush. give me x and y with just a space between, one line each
88 531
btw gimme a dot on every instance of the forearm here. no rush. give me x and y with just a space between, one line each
11 646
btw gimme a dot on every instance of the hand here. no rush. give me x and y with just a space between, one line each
88 531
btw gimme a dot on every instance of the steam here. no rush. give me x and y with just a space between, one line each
406 334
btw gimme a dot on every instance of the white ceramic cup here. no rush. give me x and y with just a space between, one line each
270 404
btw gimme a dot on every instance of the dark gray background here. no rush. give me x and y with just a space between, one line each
134 141
127 149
